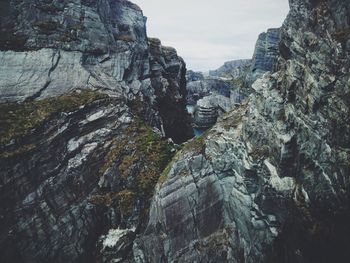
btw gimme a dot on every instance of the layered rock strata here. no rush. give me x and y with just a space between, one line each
82 116
265 54
270 182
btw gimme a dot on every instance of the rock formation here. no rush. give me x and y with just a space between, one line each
193 76
201 88
265 54
88 176
270 182
82 116
232 69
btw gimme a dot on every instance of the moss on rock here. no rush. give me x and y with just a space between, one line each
18 119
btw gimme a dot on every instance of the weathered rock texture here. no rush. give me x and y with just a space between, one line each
168 78
270 182
193 76
232 69
82 117
201 88
89 45
265 54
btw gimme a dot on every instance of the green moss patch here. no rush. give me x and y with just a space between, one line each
18 119
139 157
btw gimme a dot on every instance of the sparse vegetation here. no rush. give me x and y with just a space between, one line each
22 149
261 152
126 38
342 35
18 119
126 200
140 160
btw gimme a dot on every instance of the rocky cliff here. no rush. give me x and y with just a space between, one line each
270 181
49 48
87 175
265 54
82 116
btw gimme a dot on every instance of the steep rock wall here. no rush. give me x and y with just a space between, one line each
270 182
81 141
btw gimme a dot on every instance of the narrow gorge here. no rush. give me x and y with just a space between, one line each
101 162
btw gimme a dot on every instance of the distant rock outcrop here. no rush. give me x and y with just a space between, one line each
266 54
194 76
232 69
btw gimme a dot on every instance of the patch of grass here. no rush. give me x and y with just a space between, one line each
77 26
341 35
126 165
127 201
140 159
18 119
165 173
126 38
197 144
261 153
114 153
232 121
22 149
103 199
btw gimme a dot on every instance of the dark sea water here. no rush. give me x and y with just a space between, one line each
197 132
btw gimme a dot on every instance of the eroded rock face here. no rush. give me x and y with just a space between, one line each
168 79
90 45
270 182
82 127
265 54
201 88
68 45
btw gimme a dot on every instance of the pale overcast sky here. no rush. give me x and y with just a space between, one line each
206 33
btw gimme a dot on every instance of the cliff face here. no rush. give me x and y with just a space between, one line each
67 45
168 79
270 182
265 54
51 48
82 91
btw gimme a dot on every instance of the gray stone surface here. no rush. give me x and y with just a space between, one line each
270 181
265 54
232 69
69 171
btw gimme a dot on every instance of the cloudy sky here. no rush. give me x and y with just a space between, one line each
206 33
